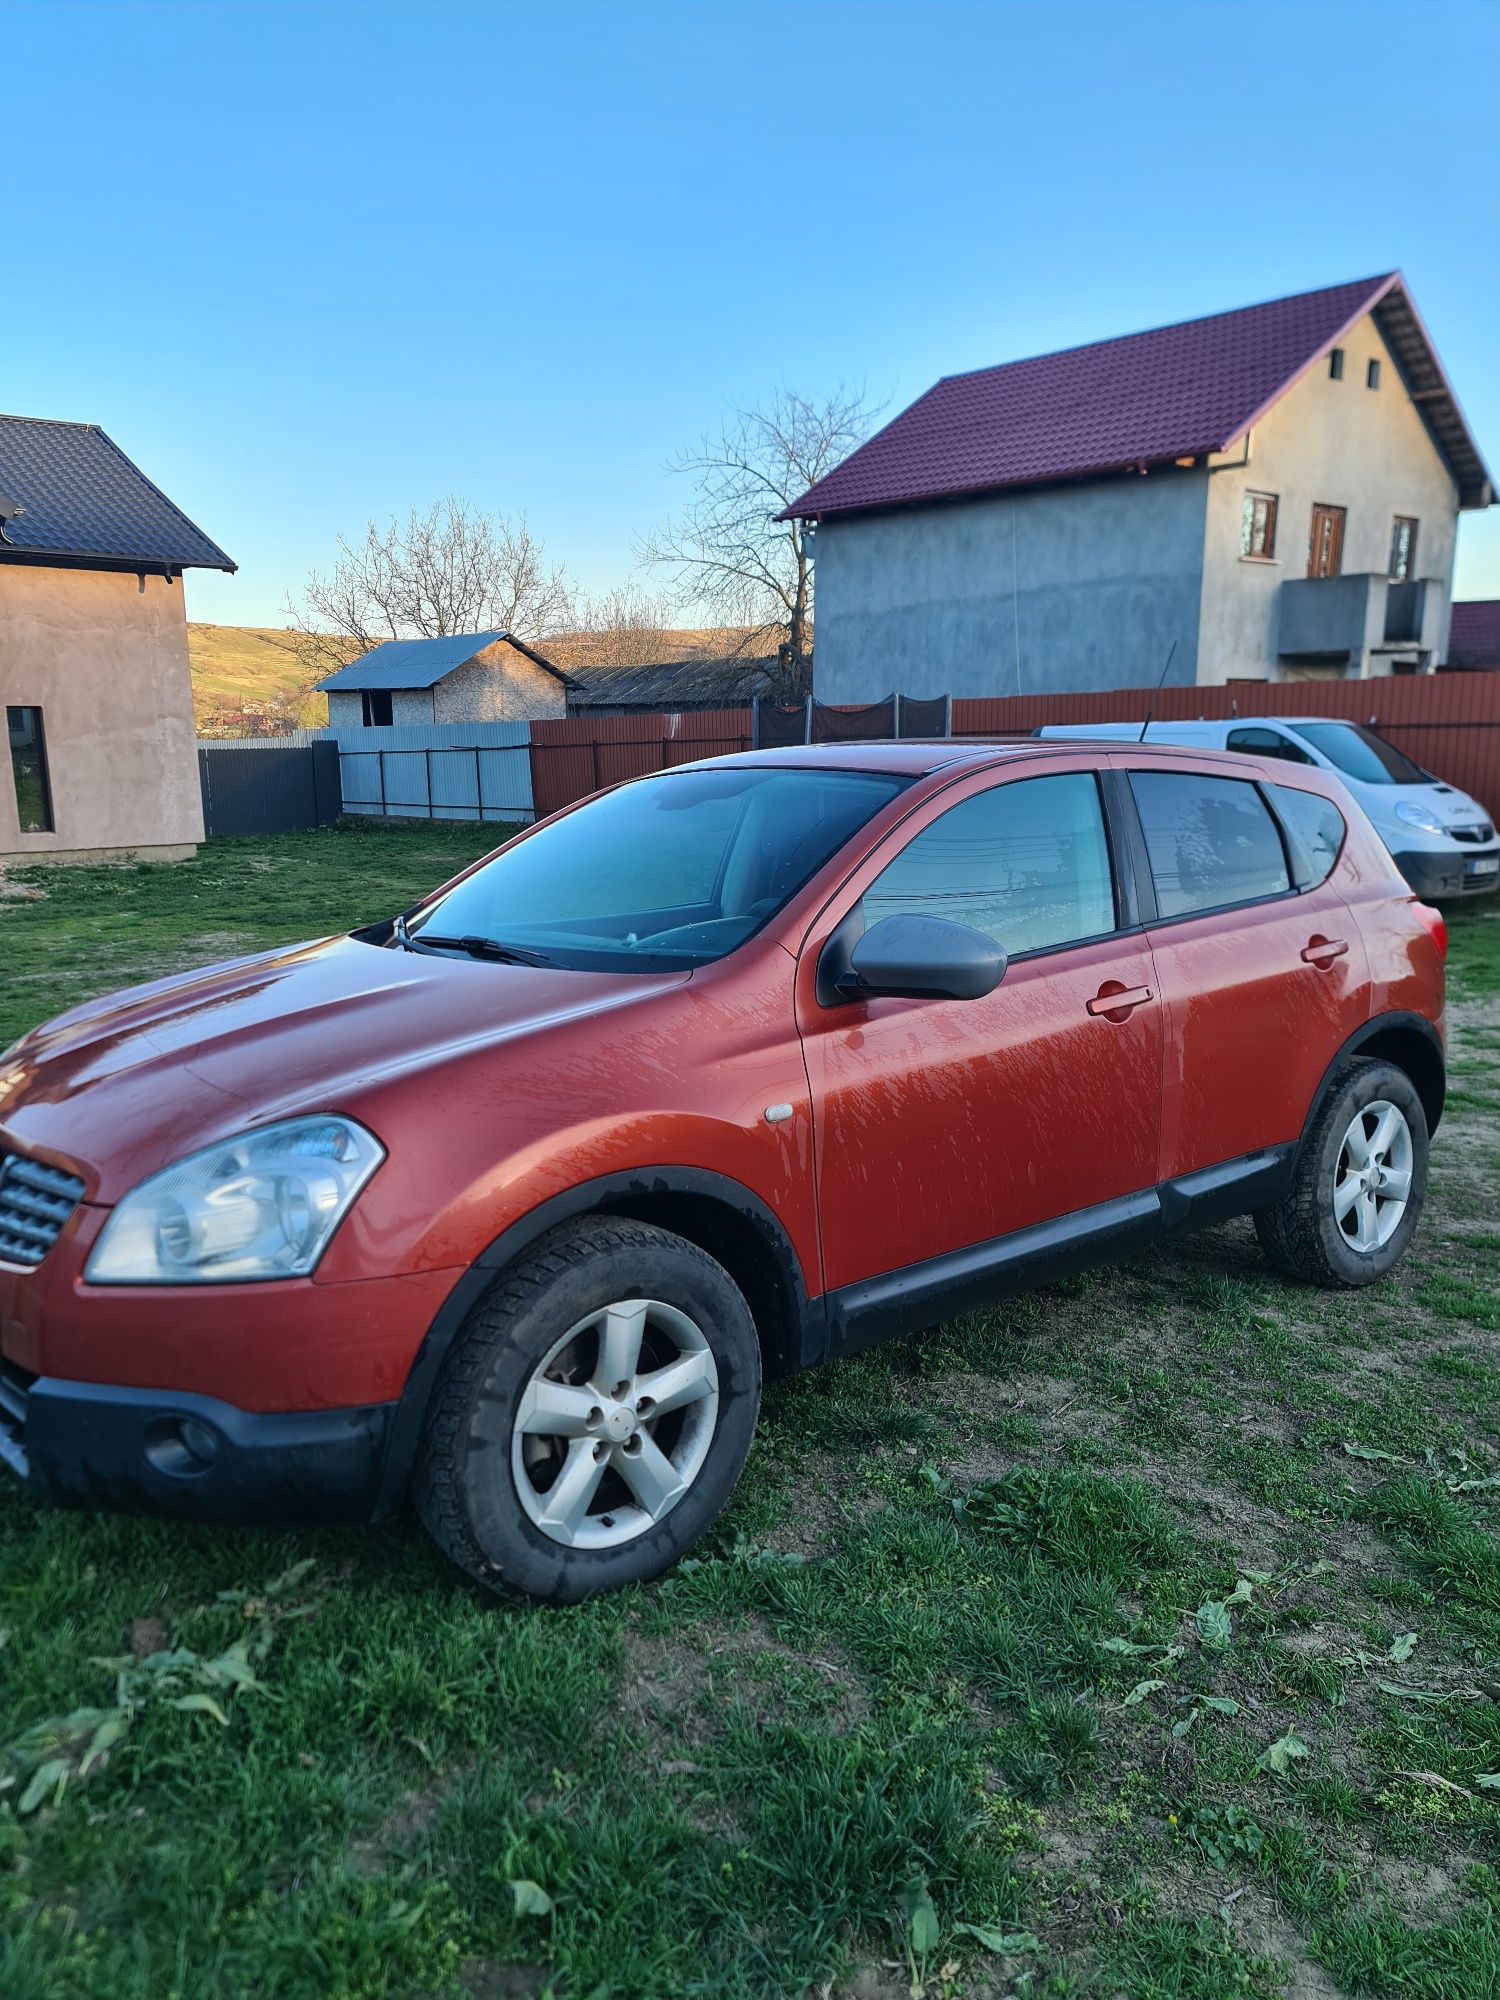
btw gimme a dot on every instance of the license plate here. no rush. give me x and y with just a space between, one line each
1488 864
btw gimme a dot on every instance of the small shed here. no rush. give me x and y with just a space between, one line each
463 677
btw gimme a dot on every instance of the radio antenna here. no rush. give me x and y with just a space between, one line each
1167 668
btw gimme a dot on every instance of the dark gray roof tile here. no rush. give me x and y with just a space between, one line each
82 500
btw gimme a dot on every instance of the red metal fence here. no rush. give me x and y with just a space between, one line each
1449 723
570 759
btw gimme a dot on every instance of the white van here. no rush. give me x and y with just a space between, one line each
1442 841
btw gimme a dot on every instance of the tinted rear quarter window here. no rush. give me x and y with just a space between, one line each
1211 841
1314 829
1026 862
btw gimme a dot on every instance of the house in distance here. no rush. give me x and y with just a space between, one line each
100 751
1269 494
466 677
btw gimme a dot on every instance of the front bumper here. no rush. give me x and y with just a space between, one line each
1443 877
84 1444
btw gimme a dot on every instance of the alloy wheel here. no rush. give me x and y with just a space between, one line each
1372 1181
615 1424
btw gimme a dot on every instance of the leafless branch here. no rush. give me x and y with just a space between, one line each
727 555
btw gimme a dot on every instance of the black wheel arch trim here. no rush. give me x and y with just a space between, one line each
797 1338
1432 1089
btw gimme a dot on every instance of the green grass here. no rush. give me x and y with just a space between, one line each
1140 1637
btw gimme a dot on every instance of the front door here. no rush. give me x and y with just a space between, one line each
944 1124
1261 984
1325 543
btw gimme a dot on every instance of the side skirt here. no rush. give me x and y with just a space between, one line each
920 1295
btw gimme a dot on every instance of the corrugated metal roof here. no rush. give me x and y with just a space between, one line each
421 663
672 684
83 500
1145 399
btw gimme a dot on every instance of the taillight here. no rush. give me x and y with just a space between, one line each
1432 922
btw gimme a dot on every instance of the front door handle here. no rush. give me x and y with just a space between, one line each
1116 1002
1322 951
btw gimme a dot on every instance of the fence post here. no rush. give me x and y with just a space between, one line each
380 767
807 708
594 759
478 786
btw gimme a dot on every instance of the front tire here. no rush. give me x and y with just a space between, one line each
1358 1185
594 1415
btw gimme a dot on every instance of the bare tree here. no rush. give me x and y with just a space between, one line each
728 554
627 627
449 570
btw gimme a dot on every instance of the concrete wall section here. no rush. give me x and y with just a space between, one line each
1366 450
105 658
1067 587
498 685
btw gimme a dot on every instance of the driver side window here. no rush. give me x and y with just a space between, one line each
1266 743
1025 862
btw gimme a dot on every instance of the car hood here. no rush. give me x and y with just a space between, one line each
122 1086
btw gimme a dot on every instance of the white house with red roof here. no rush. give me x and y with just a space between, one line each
1267 494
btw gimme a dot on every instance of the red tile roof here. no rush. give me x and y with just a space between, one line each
1474 640
1145 399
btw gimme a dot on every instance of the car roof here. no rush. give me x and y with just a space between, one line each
924 759
913 759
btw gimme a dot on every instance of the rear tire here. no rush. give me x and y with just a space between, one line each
541 1478
1358 1184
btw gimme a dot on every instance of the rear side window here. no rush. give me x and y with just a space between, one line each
1026 862
1314 829
1211 841
1267 743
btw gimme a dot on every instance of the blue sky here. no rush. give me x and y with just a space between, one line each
314 263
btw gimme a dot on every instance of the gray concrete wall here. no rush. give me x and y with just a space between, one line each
1365 450
105 659
1061 589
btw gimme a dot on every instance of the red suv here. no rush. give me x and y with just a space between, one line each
514 1201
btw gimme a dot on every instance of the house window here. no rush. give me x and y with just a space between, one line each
28 769
1372 374
1403 561
1336 364
1258 527
1325 544
375 707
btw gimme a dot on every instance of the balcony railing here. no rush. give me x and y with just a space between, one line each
1340 617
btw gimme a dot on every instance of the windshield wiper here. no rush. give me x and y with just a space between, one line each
476 947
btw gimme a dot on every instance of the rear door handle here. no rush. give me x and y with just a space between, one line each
1322 951
1115 1002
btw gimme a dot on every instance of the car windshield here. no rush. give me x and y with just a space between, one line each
657 876
1359 753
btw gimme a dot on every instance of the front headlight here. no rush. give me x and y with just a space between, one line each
260 1206
1422 816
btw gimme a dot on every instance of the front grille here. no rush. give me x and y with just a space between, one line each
1476 834
35 1202
14 1382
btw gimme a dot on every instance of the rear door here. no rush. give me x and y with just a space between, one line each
945 1124
1262 980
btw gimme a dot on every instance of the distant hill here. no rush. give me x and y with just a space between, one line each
248 680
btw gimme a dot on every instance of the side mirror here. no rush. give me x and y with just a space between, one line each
921 958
